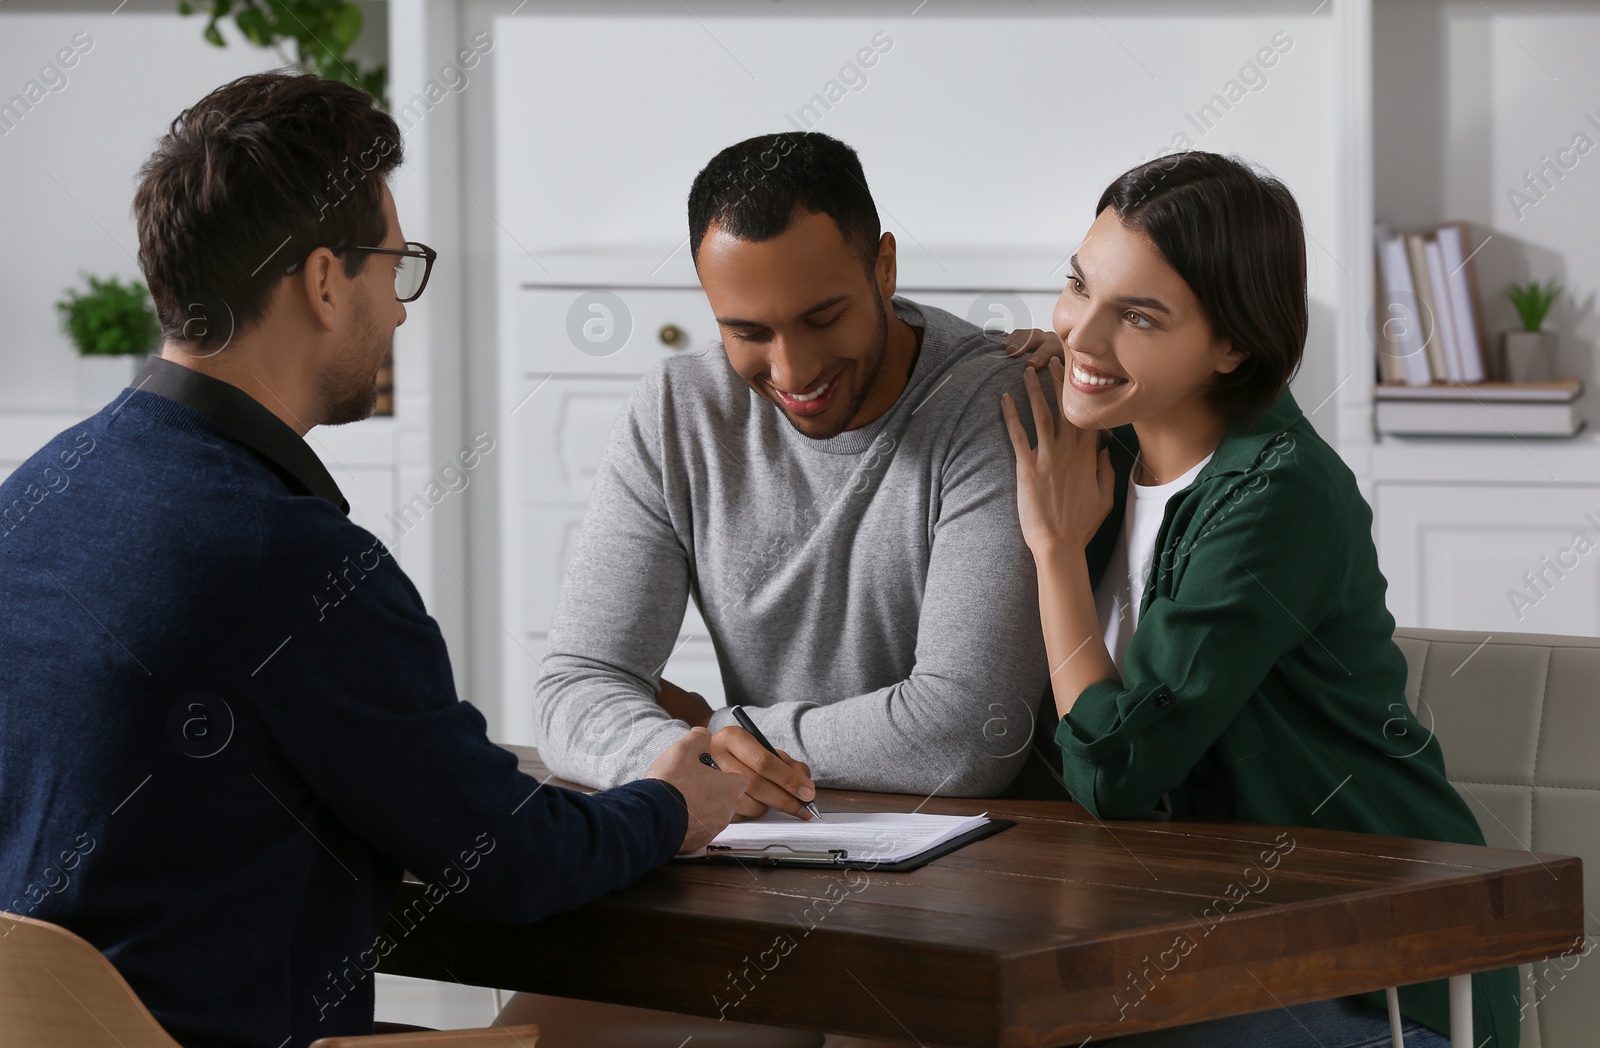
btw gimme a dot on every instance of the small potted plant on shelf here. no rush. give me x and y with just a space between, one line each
1529 355
114 326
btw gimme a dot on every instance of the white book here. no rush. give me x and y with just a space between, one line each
1452 252
1398 311
1445 322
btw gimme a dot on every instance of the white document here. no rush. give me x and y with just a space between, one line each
875 837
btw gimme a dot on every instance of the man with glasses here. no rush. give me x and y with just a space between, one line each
209 768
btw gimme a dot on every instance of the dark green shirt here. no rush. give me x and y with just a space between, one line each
1262 683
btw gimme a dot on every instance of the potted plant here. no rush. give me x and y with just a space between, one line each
114 326
1529 355
322 31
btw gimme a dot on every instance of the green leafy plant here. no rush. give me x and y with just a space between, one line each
112 318
320 30
1533 301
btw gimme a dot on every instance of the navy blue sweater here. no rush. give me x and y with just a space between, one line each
227 723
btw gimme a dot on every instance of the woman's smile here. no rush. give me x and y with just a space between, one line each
1085 379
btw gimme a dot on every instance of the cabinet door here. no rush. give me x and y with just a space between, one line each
562 441
617 331
562 444
1496 558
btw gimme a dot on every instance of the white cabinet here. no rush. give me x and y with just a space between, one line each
1501 559
608 329
568 426
569 363
1465 526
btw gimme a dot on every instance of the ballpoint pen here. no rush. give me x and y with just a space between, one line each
750 726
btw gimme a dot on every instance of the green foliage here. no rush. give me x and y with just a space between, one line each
112 318
1533 301
321 31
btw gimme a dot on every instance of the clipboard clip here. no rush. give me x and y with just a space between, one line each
778 854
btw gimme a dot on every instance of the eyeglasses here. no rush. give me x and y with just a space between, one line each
410 273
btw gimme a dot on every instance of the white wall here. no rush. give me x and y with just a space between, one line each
68 168
974 132
997 131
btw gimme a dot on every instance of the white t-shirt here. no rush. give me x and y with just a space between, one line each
1116 599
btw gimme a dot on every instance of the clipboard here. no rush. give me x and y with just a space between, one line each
781 856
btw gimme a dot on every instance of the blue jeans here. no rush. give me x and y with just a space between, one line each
1339 1023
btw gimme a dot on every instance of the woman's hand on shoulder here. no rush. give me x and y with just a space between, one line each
1037 346
1065 484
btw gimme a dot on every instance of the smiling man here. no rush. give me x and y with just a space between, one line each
834 489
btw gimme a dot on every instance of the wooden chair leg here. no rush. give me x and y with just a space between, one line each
1394 1018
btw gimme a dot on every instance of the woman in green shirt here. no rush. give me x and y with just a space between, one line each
1222 650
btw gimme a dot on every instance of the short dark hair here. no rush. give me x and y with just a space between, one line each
753 189
1235 236
250 180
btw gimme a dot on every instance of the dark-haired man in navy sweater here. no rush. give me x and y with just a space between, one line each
208 768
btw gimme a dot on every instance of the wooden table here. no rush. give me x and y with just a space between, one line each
1061 928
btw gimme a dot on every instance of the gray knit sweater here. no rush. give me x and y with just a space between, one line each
870 597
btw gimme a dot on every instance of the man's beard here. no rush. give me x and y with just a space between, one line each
874 365
349 388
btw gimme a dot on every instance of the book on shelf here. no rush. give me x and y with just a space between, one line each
1427 309
1430 316
1466 307
1485 409
1399 326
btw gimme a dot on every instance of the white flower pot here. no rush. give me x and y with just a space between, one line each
101 379
1528 356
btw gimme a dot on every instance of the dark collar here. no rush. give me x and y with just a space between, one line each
1242 447
243 419
1239 449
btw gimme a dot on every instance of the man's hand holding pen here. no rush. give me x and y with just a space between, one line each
774 779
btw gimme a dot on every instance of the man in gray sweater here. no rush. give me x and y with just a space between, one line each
834 488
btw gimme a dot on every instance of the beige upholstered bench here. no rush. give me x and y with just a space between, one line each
1518 715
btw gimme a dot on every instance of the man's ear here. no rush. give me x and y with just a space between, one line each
885 269
321 285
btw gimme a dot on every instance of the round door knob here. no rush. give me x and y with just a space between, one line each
671 335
